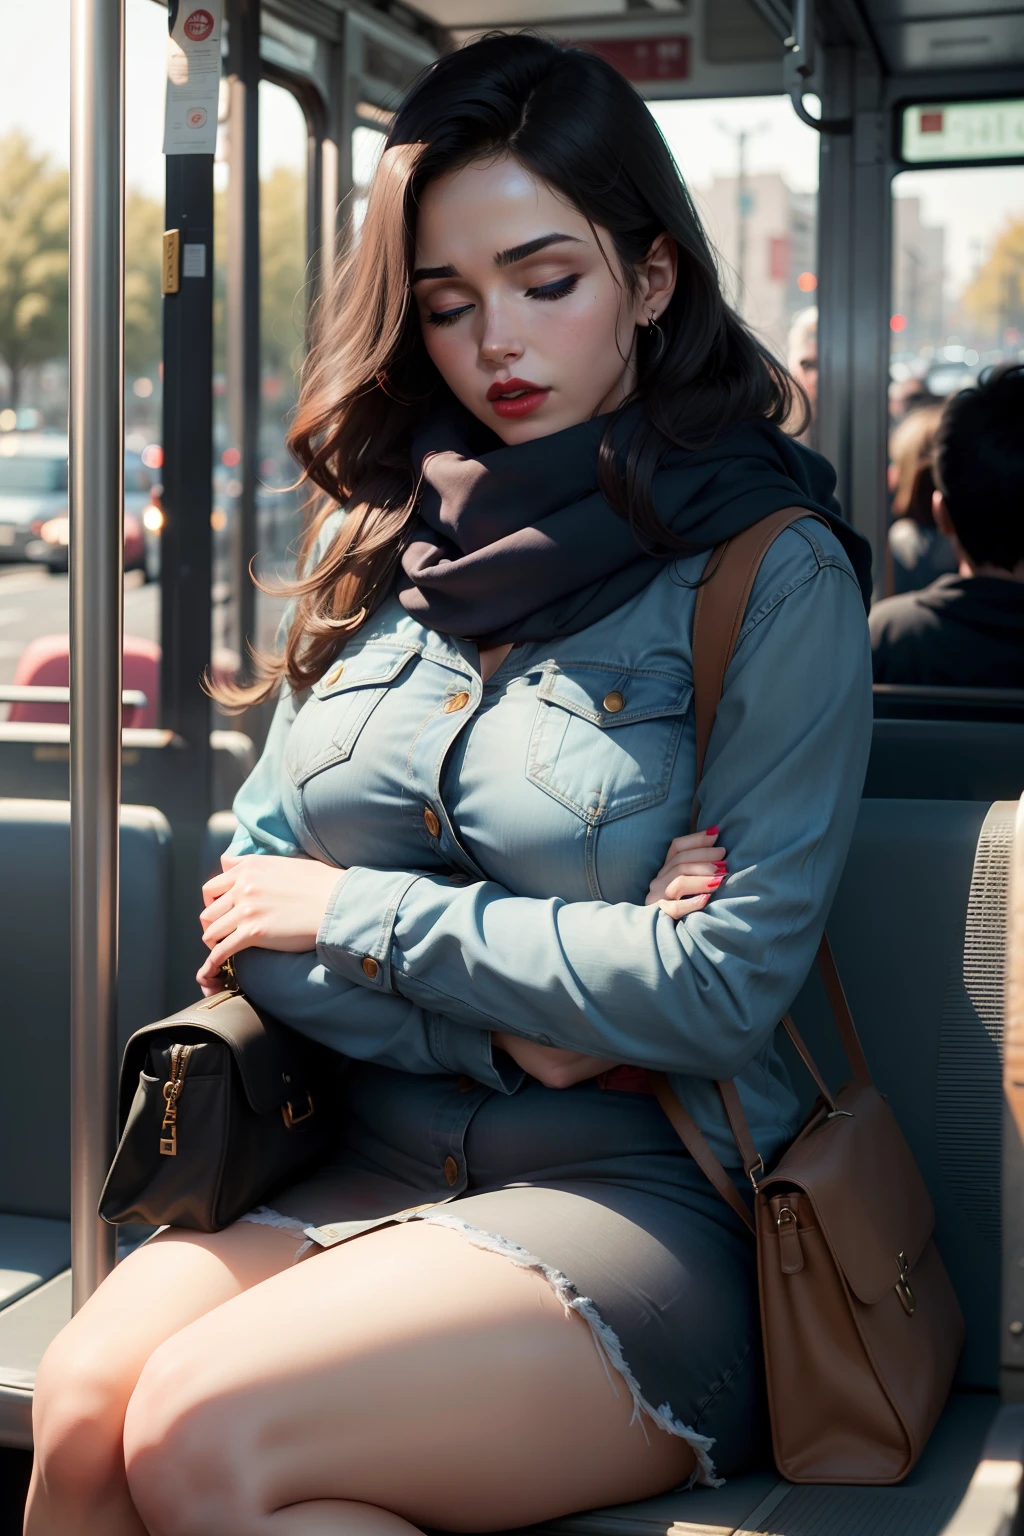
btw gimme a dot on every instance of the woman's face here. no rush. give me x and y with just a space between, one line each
523 311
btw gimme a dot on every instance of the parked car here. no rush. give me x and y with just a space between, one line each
34 500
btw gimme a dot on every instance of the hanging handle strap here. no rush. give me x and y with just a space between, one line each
717 619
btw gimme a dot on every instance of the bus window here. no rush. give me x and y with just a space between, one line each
283 306
367 144
33 393
752 168
957 279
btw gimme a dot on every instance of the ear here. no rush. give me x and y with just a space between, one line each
657 273
940 512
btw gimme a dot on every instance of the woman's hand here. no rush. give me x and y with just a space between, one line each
694 867
549 1064
262 901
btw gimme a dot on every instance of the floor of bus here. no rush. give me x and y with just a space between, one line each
759 1504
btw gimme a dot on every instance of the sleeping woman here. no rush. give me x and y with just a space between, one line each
508 1293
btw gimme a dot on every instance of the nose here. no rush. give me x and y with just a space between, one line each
499 344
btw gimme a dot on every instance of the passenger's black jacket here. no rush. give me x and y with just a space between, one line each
961 632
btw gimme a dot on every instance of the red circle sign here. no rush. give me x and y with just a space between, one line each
198 26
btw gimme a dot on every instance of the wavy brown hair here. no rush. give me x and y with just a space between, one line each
571 120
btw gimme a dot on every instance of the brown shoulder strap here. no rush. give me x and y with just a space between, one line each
692 1138
717 619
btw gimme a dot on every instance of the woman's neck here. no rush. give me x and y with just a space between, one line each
491 659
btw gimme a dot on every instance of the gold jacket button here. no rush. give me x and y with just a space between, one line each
334 674
451 1170
431 823
457 701
613 702
370 968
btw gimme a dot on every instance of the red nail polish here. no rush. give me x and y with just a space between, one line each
711 832
722 867
713 883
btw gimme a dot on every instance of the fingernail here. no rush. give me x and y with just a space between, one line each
722 867
713 883
711 832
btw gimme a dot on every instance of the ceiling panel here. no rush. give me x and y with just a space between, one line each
930 35
479 14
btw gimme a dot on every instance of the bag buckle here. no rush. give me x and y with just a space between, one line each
289 1115
755 1173
903 1290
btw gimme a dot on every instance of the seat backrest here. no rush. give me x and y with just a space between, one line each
35 965
946 760
45 662
34 763
918 928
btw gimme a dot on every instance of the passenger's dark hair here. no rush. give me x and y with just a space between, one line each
979 467
569 118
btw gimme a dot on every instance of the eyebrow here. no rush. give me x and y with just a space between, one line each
502 258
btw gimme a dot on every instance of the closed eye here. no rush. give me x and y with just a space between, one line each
447 316
559 289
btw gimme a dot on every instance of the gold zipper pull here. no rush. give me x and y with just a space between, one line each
180 1055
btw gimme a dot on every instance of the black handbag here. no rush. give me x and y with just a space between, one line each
219 1106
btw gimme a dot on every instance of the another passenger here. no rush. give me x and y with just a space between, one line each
541 415
967 628
802 362
918 552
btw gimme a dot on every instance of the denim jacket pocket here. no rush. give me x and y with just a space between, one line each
338 706
604 739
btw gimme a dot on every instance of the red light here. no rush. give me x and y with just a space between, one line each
898 323
807 282
231 457
153 456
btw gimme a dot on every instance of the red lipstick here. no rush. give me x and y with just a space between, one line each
515 397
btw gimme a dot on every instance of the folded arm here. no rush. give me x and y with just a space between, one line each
628 983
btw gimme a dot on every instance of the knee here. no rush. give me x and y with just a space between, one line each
77 1418
189 1466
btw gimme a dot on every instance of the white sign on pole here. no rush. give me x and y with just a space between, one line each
193 79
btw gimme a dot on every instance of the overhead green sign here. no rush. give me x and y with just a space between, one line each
963 130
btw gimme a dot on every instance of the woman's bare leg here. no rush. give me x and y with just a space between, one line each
408 1371
89 1372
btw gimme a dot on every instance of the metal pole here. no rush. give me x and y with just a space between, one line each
96 500
243 301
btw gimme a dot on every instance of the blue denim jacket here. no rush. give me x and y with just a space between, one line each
499 837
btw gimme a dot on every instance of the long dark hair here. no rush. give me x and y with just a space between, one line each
571 120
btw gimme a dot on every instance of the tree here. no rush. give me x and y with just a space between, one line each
143 228
282 271
995 299
33 259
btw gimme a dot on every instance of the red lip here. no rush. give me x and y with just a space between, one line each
522 404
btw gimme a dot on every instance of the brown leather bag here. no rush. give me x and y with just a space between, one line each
861 1326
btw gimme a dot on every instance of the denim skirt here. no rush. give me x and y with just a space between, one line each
591 1187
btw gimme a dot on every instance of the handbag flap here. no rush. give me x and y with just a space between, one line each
866 1190
272 1064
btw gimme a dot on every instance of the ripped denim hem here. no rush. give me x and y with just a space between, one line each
263 1216
605 1339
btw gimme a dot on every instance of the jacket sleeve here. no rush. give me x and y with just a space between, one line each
365 1025
783 778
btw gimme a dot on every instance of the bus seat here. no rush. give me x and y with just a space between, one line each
946 760
34 763
35 964
220 829
44 661
918 929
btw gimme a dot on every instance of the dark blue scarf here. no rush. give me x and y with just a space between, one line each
519 543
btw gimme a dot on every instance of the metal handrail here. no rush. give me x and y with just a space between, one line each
96 501
41 693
